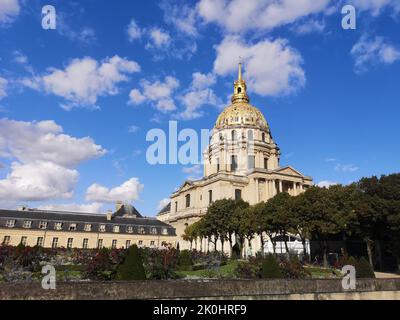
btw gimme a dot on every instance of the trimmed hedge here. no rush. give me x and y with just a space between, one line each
132 267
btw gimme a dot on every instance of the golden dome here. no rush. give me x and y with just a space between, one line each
240 111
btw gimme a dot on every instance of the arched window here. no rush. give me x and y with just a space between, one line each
263 137
187 200
234 135
239 90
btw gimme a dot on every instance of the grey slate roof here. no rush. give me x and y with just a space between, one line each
52 217
166 209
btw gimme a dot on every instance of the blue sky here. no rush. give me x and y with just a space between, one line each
76 102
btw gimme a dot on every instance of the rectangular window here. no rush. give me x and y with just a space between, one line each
116 229
238 194
266 163
187 197
127 243
152 243
141 230
23 241
234 163
27 224
129 229
58 226
100 243
10 223
6 240
42 225
176 206
210 197
153 230
88 227
102 228
114 244
164 231
39 242
250 162
72 227
54 244
85 243
140 243
218 165
69 243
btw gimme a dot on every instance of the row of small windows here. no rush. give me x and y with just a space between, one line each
70 241
250 163
250 136
87 227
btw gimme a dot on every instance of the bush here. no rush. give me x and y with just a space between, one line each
132 267
364 269
293 269
160 264
270 268
248 269
185 260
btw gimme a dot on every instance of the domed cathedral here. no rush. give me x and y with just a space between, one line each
241 161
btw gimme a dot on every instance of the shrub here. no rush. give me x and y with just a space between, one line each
185 259
160 264
270 268
293 269
364 269
248 269
132 267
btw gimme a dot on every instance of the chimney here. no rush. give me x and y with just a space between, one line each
109 215
118 205
23 207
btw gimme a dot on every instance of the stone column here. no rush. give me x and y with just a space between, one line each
294 188
280 186
257 191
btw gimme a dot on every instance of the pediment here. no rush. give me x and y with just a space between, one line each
289 171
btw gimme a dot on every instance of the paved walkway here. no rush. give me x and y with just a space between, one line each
384 275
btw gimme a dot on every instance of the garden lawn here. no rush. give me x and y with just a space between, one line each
226 271
323 273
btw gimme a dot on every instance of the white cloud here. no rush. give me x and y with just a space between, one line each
44 141
202 81
94 207
157 92
128 191
66 27
9 9
194 172
372 51
133 129
346 167
193 100
43 160
272 67
182 17
309 26
40 180
134 32
375 7
158 38
326 184
239 16
163 203
3 87
83 81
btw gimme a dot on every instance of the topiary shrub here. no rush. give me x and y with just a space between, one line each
185 260
364 269
132 267
270 268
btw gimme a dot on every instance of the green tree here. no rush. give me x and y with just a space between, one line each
132 267
270 268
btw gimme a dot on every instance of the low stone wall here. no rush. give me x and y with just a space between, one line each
206 289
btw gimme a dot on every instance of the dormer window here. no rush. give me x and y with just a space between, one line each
102 228
129 229
10 223
42 225
27 224
164 231
58 226
116 229
153 230
72 227
141 230
88 227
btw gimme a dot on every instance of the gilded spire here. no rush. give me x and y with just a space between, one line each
239 88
